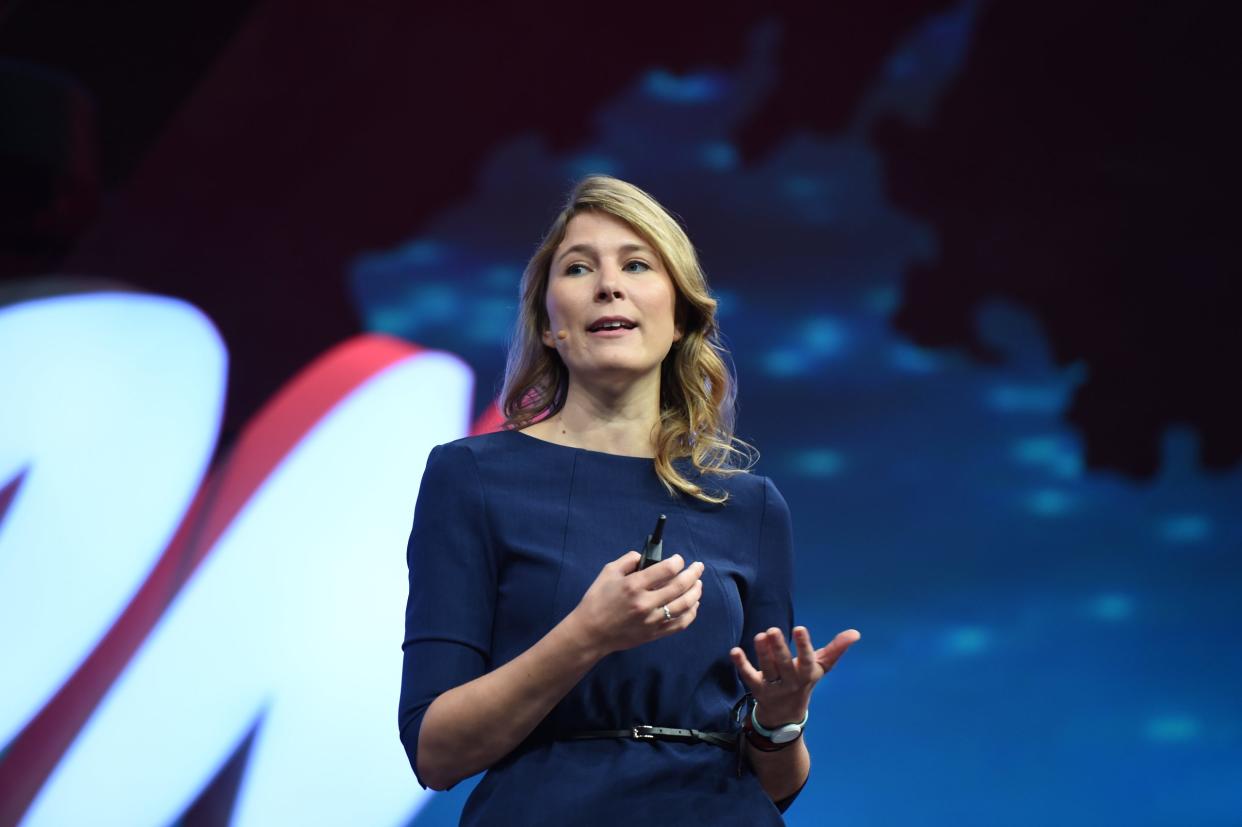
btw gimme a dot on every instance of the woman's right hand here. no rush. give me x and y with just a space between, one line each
623 607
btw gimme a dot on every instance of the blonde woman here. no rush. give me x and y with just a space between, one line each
593 686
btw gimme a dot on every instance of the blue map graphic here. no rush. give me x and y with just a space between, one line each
1041 645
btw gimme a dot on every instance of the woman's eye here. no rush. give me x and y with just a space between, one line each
641 265
575 269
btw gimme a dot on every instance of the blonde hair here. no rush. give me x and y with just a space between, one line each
697 389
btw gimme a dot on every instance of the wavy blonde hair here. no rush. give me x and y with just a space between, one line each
697 388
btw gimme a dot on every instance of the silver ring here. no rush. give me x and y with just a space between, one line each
667 614
772 682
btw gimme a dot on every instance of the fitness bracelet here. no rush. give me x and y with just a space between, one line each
782 734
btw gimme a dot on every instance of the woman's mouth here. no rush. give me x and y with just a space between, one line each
611 327
611 332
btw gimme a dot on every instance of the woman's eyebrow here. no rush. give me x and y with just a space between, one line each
578 248
589 249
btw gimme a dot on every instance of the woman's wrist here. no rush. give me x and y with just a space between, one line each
579 637
765 744
774 737
775 719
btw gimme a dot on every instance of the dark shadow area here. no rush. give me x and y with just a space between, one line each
1085 166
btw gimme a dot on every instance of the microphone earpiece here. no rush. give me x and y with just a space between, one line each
562 334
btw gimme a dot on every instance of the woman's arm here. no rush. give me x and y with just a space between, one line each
782 687
782 773
470 727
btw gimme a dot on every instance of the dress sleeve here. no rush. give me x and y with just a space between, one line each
769 601
453 572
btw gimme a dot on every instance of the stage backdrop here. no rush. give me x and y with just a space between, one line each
999 408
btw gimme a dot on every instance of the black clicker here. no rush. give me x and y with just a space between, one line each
653 549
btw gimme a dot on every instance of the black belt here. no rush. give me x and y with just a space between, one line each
724 740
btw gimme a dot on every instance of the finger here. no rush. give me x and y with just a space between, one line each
780 653
749 675
627 562
767 662
679 585
692 597
830 654
806 653
664 570
687 617
679 607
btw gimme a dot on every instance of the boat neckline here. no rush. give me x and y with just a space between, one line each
541 441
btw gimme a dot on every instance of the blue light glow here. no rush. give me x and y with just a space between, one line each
822 462
967 641
1055 454
720 156
823 336
1049 502
1172 729
1111 607
913 359
1186 528
1010 398
685 89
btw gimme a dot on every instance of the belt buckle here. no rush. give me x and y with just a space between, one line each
643 732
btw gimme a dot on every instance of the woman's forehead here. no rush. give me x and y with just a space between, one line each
601 231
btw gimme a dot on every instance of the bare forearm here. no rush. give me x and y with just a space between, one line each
470 727
782 773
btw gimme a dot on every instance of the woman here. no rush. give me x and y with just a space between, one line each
536 646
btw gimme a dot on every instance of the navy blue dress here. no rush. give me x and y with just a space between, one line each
509 532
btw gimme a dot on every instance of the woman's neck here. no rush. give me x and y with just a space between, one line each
599 420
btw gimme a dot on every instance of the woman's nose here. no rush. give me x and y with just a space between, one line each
609 284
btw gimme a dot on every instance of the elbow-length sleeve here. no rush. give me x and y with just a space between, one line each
453 573
769 602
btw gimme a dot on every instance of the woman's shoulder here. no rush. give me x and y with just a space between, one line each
499 456
475 444
746 489
474 451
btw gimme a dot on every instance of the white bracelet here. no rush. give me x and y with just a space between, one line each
781 734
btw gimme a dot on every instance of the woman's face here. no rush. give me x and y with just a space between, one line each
609 293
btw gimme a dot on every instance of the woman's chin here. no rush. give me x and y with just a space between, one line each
612 369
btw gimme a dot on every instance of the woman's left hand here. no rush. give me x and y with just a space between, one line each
783 683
